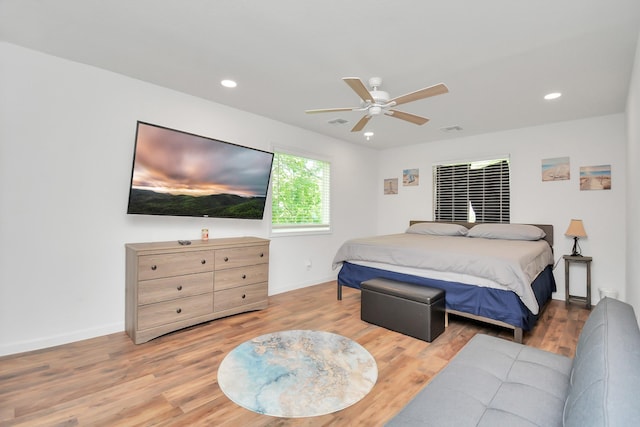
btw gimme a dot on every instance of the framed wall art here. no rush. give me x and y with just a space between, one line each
391 186
556 169
595 177
410 177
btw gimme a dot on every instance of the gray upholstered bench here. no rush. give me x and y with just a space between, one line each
494 382
414 310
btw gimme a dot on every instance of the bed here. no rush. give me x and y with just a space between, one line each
496 273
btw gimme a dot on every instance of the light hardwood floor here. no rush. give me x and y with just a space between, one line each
171 381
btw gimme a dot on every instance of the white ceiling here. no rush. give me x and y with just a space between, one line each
498 57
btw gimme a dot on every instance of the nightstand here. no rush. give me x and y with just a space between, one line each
568 259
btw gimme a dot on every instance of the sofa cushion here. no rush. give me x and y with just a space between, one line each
492 382
606 371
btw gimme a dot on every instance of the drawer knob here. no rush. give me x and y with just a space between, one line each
261 254
204 261
179 310
244 296
226 259
154 267
179 287
244 276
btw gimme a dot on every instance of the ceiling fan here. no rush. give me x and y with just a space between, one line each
376 102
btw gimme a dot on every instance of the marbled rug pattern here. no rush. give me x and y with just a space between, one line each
297 373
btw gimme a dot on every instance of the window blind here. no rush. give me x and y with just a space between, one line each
474 191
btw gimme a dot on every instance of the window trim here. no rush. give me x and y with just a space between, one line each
303 229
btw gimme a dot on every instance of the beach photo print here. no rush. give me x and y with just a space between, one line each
556 169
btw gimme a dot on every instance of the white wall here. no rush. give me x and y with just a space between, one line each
66 145
588 142
633 187
67 135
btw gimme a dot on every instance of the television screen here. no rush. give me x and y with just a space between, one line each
181 174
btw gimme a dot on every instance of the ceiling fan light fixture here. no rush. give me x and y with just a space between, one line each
368 135
375 110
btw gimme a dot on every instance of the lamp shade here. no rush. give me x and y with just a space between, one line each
576 229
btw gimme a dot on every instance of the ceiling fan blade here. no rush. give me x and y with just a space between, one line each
358 87
329 110
419 120
361 124
434 90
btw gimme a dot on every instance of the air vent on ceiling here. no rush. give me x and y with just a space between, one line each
338 121
454 128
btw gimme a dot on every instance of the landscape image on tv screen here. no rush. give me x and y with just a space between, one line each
181 174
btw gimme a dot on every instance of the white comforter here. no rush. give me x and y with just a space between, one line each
512 264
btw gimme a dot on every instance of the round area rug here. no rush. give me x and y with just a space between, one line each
299 373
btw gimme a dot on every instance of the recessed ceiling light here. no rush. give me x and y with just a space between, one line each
553 95
228 83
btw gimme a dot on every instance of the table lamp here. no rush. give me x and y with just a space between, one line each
575 230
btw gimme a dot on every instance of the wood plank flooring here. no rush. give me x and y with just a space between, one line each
171 381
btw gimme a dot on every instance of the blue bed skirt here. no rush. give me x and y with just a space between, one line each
495 304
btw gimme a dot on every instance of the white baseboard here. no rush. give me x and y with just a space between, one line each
52 341
275 289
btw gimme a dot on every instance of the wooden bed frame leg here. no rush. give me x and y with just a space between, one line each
446 319
339 292
517 335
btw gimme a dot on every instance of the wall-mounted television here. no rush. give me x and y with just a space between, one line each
182 174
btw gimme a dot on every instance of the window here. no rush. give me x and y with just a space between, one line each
300 194
473 191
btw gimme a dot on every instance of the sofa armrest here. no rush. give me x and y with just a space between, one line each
605 378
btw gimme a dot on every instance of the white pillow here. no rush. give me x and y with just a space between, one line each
507 232
438 229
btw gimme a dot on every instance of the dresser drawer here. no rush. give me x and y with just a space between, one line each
171 286
174 264
168 288
238 257
241 276
237 297
162 313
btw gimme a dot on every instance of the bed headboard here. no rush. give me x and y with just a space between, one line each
547 228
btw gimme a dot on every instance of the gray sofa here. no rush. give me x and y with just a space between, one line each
494 382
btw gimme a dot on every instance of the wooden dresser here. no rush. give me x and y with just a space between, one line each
171 286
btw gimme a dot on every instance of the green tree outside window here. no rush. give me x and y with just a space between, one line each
300 192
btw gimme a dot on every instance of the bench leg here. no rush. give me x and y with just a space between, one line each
517 335
339 292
